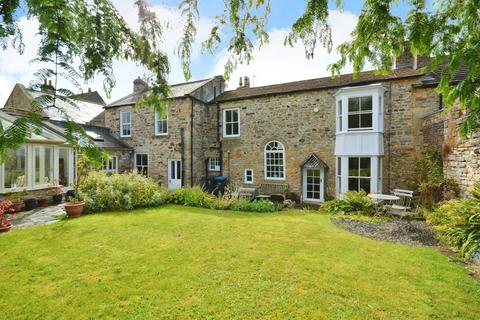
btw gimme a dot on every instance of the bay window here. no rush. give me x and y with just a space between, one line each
359 174
360 113
15 169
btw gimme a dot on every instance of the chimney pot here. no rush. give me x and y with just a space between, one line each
240 82
89 89
246 82
50 83
138 85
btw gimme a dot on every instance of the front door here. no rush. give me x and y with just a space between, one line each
313 184
174 174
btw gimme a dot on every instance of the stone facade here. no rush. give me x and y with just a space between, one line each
461 157
290 119
189 138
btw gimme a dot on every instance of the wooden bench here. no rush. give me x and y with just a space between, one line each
273 189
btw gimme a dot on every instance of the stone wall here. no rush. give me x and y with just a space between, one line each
162 148
290 119
405 108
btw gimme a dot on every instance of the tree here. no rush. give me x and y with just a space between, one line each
95 33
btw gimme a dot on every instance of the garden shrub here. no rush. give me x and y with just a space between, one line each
430 182
194 197
102 192
353 202
254 206
458 225
127 191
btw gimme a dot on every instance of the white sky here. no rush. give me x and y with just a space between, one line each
273 63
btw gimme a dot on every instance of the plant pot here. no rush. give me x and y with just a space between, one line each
74 209
57 198
30 204
6 229
42 202
17 206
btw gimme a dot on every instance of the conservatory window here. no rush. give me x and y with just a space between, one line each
43 165
15 169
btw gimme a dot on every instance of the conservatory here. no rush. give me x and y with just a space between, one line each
44 161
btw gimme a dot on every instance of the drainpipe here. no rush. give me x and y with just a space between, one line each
220 147
389 135
191 143
182 154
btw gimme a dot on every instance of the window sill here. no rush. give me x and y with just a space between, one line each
163 135
232 137
275 179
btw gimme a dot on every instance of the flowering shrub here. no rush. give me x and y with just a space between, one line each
126 191
6 208
102 192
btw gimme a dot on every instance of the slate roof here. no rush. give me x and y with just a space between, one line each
82 113
179 90
93 97
362 78
103 137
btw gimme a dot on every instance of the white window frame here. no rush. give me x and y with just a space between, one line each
359 177
122 124
246 175
214 164
110 165
26 171
266 152
54 157
232 122
338 175
164 122
359 113
148 163
339 115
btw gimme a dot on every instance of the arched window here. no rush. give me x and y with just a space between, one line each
274 160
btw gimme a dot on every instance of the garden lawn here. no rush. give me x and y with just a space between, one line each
185 263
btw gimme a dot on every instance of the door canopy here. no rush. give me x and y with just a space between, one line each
313 161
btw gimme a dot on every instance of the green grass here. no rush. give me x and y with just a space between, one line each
186 263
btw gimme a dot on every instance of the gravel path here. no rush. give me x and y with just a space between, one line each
416 233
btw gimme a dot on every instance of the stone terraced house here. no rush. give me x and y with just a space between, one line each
315 138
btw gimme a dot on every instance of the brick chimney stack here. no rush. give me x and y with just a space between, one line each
240 83
138 85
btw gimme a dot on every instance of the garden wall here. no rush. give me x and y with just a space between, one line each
461 157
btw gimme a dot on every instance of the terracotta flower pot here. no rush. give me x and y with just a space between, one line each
6 228
74 209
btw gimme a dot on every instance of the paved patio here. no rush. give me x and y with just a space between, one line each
37 217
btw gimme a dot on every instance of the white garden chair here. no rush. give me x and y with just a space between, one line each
403 206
